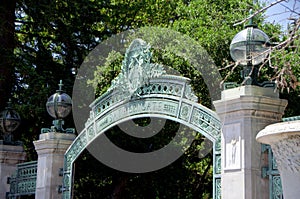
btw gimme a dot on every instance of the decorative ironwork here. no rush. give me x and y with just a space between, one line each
230 85
23 181
294 118
276 187
136 68
218 188
272 173
156 95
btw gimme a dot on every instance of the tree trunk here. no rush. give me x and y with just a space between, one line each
7 44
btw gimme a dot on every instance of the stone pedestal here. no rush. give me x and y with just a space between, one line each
244 111
284 139
50 149
10 156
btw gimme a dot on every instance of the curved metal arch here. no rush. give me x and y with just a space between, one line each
168 97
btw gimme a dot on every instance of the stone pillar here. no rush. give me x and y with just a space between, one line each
284 139
10 156
50 149
244 111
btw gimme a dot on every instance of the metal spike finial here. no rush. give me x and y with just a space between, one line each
60 85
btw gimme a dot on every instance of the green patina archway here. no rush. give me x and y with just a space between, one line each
144 90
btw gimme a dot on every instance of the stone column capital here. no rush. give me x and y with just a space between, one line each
53 142
248 98
12 155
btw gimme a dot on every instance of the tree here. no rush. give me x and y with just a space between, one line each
178 180
7 42
43 41
53 38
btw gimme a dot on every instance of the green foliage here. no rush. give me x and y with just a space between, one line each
52 38
212 24
103 75
285 62
286 65
188 177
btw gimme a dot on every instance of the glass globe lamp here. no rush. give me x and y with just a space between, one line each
9 122
250 45
249 48
59 106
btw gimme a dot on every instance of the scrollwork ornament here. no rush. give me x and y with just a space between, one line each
136 69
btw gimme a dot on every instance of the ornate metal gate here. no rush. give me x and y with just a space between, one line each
144 90
23 181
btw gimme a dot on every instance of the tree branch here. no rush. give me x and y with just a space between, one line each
257 12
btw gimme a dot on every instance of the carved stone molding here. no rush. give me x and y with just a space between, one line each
261 103
12 155
284 139
237 115
280 131
287 153
251 99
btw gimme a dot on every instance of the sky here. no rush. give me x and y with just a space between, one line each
280 13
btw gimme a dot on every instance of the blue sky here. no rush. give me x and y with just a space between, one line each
282 11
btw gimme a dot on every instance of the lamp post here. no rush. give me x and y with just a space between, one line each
52 145
59 106
9 122
249 48
11 152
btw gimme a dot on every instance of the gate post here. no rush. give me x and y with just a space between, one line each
50 148
244 111
10 156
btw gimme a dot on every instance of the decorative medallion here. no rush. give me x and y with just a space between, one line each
136 69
